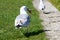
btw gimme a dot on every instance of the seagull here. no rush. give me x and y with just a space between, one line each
23 19
41 5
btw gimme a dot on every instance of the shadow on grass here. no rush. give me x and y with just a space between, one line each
28 34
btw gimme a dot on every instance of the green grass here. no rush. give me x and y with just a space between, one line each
56 3
9 9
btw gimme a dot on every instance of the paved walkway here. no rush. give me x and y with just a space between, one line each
51 21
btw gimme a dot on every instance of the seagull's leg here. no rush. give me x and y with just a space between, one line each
27 29
16 28
21 32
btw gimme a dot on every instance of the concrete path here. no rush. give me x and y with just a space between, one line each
51 21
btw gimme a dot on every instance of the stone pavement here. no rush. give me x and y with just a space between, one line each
51 21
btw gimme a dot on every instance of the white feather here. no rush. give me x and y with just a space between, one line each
41 5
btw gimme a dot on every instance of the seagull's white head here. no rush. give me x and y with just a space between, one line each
24 9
